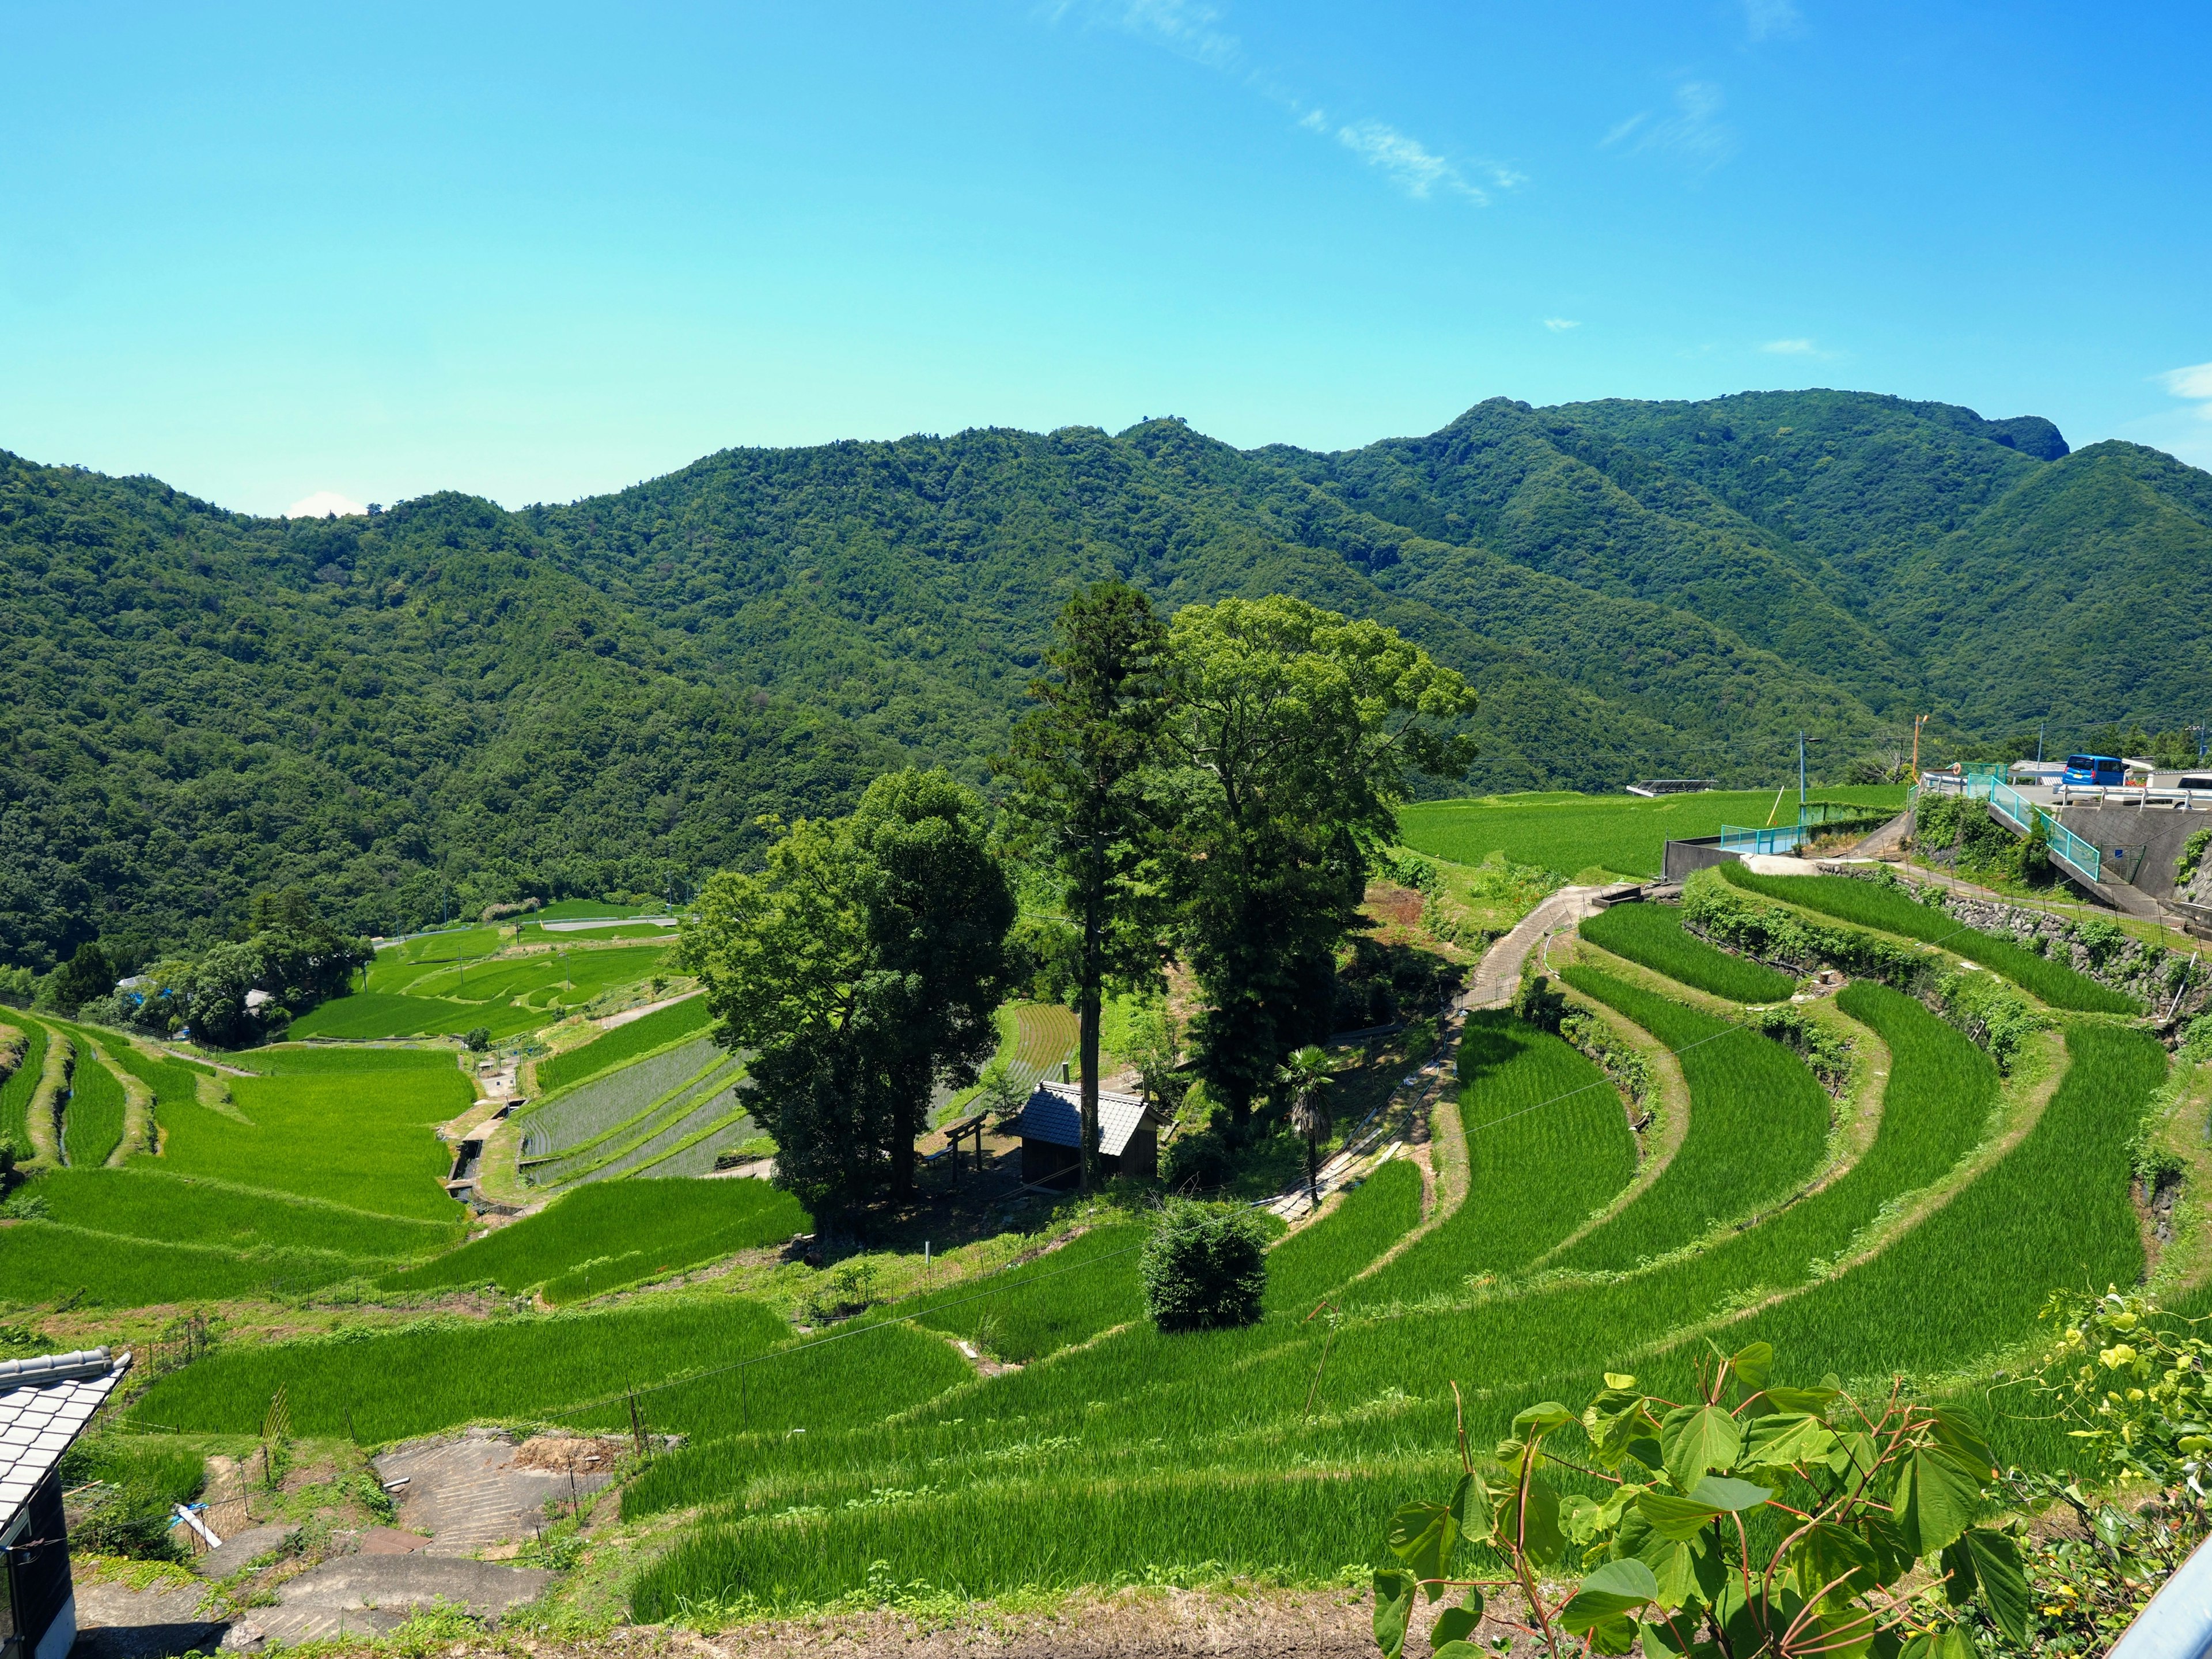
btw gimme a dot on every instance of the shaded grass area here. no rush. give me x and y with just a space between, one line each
358 1136
1623 834
1870 905
625 1043
1759 1125
143 1200
1652 935
1326 1253
1066 1296
603 1237
1547 1144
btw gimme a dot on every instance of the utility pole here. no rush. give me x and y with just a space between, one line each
1801 777
2039 725
1918 721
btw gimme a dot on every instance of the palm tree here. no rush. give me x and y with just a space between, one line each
1306 1074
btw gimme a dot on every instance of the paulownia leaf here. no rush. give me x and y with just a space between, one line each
1935 1500
1752 1363
2004 1580
1827 1553
1614 1636
1959 1435
1784 1439
1457 1623
1541 1419
1815 1401
1725 1492
1614 1588
1393 1609
1674 1517
1539 1536
1424 1536
1697 1439
1952 1643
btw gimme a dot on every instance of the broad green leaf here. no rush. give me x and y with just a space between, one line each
1959 1435
1935 1500
1393 1609
1541 1419
1958 1564
1424 1536
1723 1492
1616 1588
1785 1439
1538 1535
1952 1643
1847 1633
1614 1636
2005 1591
1579 1517
1457 1623
1815 1401
1460 1649
1697 1439
1827 1553
1674 1517
1619 1381
1752 1363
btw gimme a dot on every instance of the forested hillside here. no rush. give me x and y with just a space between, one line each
448 704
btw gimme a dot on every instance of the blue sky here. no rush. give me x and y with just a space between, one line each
536 251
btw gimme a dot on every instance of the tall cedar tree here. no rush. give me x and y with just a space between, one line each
863 965
1295 729
1079 766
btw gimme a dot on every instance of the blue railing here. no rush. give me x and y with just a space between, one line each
1786 839
2015 809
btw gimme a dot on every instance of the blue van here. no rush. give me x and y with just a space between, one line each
2094 770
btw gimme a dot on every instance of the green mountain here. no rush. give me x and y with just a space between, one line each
447 703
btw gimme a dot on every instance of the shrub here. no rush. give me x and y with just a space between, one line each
1205 1268
1196 1163
1989 1011
1540 1005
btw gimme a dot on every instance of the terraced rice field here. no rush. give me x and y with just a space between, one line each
92 1117
145 1201
413 991
357 1135
600 1238
1759 1126
21 1083
669 1113
657 1029
1652 935
1869 905
1618 835
1528 1101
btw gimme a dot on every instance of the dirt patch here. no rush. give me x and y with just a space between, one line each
557 1454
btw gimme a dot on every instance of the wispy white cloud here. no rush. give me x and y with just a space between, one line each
1561 324
2195 384
1197 29
323 503
1693 134
1415 168
1791 347
1764 19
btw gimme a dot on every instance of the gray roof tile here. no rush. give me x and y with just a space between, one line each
1054 1115
44 1404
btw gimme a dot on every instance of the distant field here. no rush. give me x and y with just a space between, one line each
587 909
143 1200
1625 835
442 995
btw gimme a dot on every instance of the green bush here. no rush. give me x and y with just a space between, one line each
1989 1011
1196 1163
1205 1268
1540 1005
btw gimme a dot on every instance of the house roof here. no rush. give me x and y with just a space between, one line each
1054 1115
44 1404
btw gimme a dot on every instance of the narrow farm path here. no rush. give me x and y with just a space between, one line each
1498 974
138 1119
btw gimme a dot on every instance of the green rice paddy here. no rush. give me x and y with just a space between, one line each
21 1083
611 1234
92 1117
1652 935
657 1029
1620 835
441 985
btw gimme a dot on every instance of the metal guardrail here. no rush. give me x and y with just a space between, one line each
2079 856
2178 1623
1788 838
